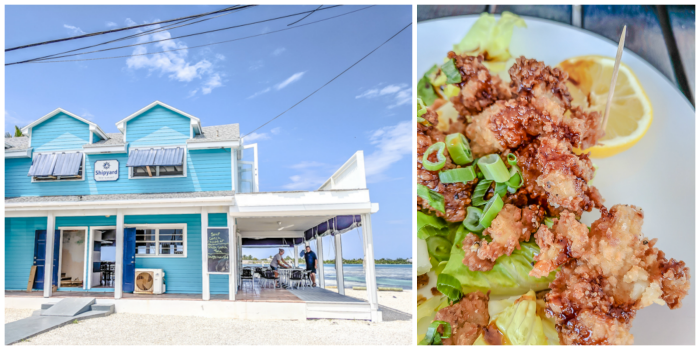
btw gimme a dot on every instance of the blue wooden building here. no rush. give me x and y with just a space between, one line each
86 210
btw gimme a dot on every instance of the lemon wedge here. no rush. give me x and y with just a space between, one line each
631 112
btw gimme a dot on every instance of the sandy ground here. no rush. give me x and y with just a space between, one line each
401 301
132 329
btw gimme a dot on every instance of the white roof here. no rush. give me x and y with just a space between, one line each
93 127
195 122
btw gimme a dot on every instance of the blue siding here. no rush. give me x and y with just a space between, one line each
60 132
207 170
182 275
218 284
158 126
19 250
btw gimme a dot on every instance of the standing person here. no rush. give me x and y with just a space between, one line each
311 264
277 261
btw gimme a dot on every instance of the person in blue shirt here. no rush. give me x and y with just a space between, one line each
311 264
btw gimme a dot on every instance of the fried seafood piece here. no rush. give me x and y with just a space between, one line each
567 236
457 195
610 274
467 318
551 170
511 226
479 89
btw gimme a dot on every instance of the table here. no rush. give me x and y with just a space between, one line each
663 35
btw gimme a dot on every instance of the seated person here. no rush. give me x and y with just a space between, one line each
311 264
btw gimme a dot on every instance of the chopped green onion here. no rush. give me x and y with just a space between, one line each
512 159
438 147
493 206
501 189
450 91
450 287
493 168
458 147
434 199
471 222
549 222
433 337
453 75
421 107
480 191
462 175
516 178
439 247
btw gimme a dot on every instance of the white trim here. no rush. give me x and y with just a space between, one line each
119 257
125 135
62 180
97 129
92 249
193 203
158 227
29 135
104 149
121 125
60 250
24 153
130 170
254 168
91 133
359 159
204 223
234 169
271 234
233 257
213 144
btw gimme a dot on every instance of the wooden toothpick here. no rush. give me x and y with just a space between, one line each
620 48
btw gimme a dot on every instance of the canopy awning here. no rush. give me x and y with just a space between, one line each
56 164
156 157
271 242
337 225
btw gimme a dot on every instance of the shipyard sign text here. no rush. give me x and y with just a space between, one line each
107 170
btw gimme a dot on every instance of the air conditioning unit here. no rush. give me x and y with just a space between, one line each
149 281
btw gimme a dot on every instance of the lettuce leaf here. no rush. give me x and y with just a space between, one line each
509 275
489 37
521 321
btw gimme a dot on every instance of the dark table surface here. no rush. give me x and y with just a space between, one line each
662 35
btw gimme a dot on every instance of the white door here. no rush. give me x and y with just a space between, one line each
248 169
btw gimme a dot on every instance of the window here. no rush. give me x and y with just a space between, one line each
58 166
161 241
157 162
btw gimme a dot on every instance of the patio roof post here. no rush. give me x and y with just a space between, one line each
233 258
205 251
319 248
370 275
296 255
48 258
119 256
339 278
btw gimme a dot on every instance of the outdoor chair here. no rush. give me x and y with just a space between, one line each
269 276
296 277
307 278
247 275
258 273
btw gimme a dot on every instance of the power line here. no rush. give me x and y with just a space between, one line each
301 19
191 47
148 32
114 30
178 37
330 81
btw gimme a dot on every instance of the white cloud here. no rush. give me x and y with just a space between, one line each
312 175
402 98
276 131
392 144
255 137
401 94
175 64
263 91
220 57
279 51
256 65
293 78
87 115
129 22
111 24
73 29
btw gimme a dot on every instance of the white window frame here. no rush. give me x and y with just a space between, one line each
184 164
60 252
62 180
158 227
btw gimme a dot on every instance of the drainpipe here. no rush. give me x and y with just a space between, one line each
119 255
205 257
48 258
340 280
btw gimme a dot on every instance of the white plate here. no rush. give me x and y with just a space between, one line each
657 174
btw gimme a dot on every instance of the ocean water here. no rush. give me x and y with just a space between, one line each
387 275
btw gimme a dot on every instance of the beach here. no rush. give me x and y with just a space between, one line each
133 329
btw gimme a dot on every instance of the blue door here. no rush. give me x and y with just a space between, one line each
40 258
129 271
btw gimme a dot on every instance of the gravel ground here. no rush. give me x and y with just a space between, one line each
12 315
132 329
396 300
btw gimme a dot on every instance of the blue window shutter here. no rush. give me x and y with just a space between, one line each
43 165
141 157
68 164
169 156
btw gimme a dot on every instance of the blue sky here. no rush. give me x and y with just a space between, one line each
247 82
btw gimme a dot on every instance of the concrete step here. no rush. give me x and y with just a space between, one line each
69 307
